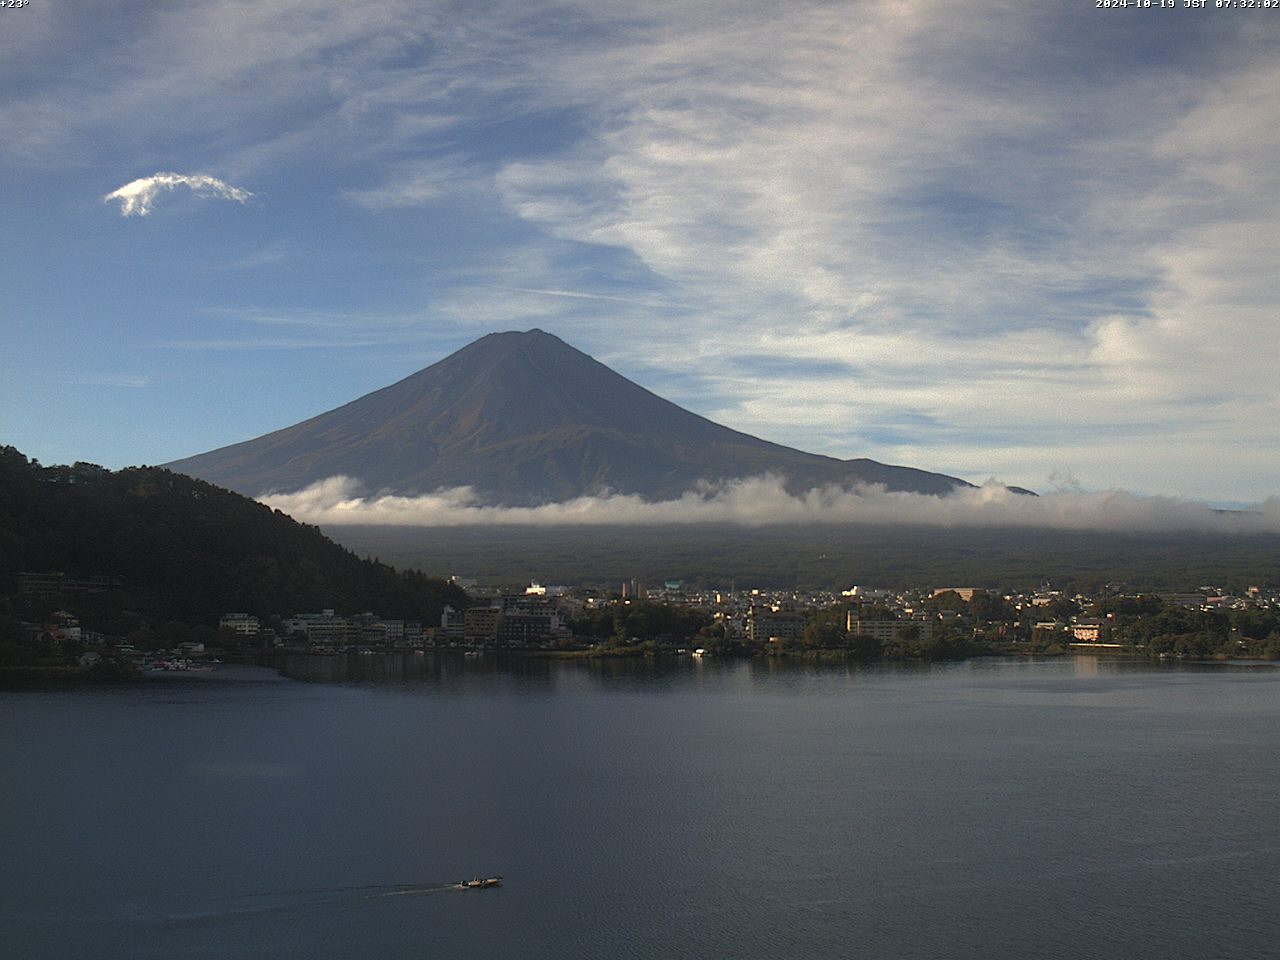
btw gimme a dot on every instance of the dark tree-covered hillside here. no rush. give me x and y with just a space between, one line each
182 549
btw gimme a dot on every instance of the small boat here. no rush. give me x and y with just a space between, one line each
477 882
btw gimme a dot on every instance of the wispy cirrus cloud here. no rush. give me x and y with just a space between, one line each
914 193
297 343
304 330
128 381
138 196
584 295
267 256
416 185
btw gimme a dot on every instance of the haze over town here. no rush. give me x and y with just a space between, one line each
994 241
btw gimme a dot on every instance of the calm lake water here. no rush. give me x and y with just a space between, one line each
1072 808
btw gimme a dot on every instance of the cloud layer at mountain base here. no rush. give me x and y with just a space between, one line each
760 501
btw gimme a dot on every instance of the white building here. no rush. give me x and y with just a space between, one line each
890 631
242 623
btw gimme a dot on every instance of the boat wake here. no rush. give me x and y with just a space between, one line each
248 905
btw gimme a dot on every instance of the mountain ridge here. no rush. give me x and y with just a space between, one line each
523 418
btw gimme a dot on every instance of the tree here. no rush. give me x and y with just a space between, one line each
825 635
991 608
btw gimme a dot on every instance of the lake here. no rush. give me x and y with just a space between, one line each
1073 808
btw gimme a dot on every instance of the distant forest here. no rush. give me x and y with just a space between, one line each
179 549
827 556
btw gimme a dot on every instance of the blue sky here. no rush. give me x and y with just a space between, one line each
981 238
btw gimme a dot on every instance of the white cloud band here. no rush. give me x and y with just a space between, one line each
760 501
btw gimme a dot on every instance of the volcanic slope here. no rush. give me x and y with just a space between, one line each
525 419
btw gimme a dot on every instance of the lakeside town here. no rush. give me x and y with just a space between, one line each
860 623
113 573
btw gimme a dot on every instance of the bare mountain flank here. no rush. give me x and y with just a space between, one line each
526 419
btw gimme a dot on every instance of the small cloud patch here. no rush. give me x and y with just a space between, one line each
124 380
138 196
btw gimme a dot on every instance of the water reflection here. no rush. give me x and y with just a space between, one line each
1086 666
1076 680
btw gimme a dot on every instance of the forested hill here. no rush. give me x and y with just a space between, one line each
182 549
